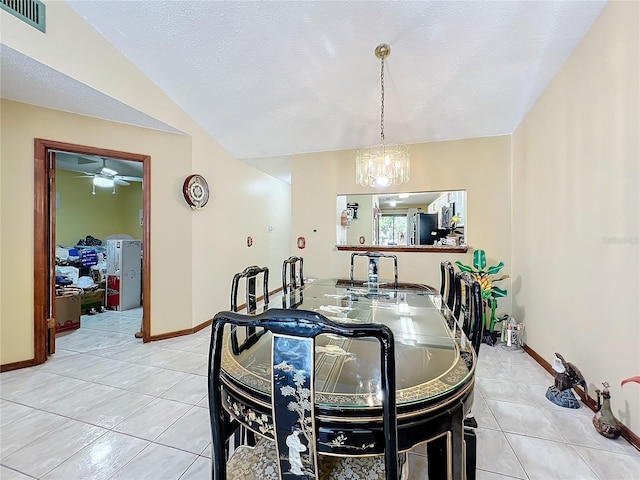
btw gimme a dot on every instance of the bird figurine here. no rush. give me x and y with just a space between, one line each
606 424
567 375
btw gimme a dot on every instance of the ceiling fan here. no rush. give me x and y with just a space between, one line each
105 177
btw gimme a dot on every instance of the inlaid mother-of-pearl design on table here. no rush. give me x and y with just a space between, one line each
254 378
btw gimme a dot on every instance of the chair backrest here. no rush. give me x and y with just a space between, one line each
244 339
293 412
374 260
468 302
295 278
447 277
250 276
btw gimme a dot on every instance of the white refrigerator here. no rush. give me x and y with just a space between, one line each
124 273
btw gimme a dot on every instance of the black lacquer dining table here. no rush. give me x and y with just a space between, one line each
435 366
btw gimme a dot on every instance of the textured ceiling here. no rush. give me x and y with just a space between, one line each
275 78
28 81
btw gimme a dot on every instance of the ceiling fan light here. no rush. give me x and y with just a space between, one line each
103 182
107 171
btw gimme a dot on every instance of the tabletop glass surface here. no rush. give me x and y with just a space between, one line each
431 359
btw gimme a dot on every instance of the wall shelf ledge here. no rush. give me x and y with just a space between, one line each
405 248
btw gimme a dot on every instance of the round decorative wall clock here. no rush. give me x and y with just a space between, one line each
196 191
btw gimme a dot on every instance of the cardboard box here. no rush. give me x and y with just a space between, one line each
92 299
67 312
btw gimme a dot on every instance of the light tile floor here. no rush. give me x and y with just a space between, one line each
106 406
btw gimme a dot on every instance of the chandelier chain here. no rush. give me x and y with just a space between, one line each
382 100
382 165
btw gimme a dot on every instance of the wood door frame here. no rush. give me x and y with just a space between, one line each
42 280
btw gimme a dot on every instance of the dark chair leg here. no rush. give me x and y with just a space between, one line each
250 438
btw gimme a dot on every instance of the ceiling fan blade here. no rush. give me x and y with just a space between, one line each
84 176
130 179
85 160
118 181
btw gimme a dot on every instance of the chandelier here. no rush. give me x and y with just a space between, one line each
386 163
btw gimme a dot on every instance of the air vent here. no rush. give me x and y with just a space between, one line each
30 11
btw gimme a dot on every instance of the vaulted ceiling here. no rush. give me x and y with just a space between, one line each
275 78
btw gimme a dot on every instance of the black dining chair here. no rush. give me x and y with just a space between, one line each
467 313
468 303
287 447
292 274
251 276
374 260
447 289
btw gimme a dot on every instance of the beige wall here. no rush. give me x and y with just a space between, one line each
576 211
193 253
80 213
132 196
480 166
20 125
574 196
363 225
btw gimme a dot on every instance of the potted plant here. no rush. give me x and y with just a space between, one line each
453 237
490 293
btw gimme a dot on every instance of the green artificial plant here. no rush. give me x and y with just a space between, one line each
486 278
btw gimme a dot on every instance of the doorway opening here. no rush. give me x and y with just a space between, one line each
45 162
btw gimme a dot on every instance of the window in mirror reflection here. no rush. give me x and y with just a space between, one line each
405 219
392 229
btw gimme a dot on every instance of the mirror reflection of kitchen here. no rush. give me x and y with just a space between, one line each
402 219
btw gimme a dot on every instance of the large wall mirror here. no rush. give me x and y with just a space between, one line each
402 219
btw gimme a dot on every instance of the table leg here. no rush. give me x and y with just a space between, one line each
437 458
470 452
457 445
445 455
